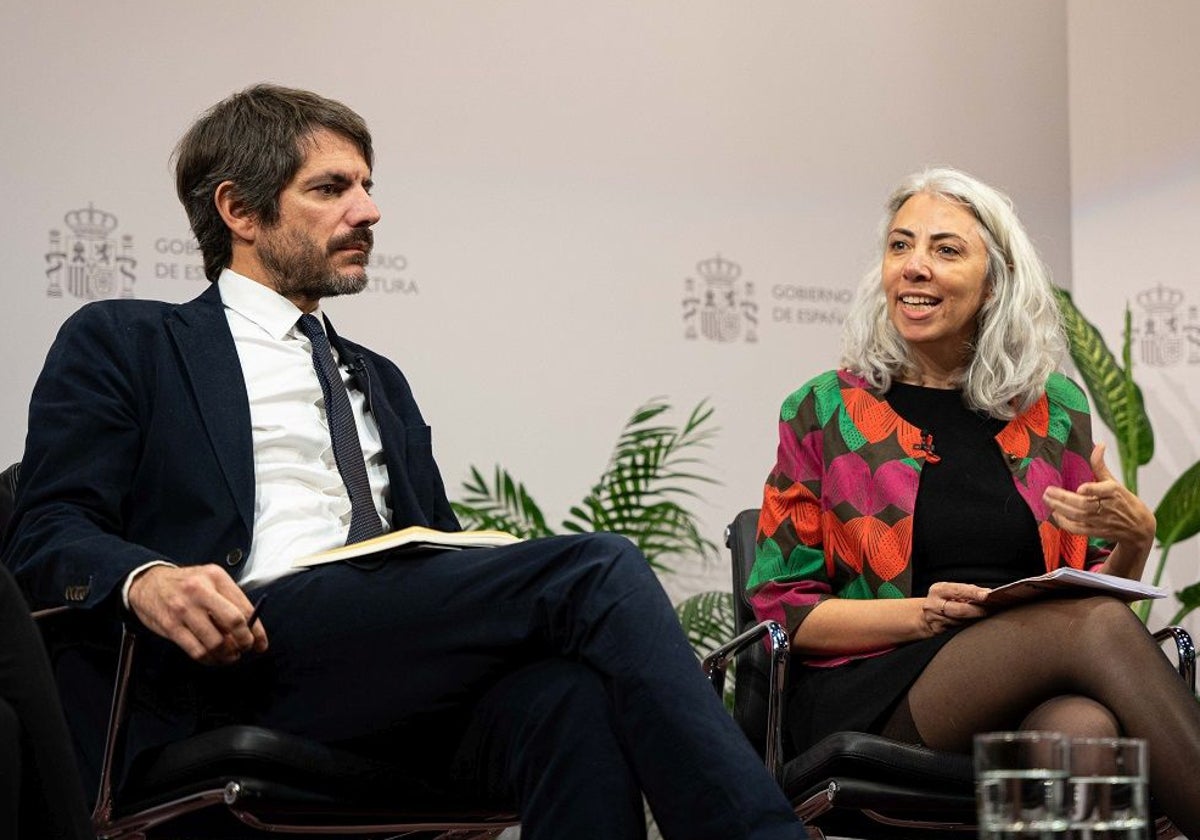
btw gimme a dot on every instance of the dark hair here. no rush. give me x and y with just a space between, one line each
255 139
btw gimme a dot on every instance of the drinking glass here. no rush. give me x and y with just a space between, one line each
1020 785
1108 789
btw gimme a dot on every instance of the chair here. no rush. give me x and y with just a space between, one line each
851 783
247 781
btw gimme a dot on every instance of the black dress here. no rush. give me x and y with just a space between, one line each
970 525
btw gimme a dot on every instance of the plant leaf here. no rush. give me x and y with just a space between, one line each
1178 513
650 473
1117 398
504 505
708 620
1189 599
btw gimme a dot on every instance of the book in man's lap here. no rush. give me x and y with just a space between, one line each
414 536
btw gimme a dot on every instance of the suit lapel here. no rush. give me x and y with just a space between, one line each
210 364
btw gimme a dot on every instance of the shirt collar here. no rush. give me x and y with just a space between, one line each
259 304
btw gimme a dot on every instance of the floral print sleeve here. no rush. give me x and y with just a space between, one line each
1068 400
789 576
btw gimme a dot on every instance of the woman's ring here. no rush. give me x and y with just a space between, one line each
1099 504
944 602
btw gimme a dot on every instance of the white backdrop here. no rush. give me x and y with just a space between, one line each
551 174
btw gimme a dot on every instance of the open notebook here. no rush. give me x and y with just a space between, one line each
413 536
1068 582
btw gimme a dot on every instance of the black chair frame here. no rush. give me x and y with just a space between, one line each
269 782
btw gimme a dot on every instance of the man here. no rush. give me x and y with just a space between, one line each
180 456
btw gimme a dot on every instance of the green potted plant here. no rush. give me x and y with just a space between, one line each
1119 405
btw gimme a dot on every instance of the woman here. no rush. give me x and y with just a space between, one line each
40 792
948 457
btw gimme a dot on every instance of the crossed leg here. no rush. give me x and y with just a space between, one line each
1086 667
591 688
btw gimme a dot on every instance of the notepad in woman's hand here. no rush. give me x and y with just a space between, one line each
414 536
1067 582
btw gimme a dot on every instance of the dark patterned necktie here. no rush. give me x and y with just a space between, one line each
364 519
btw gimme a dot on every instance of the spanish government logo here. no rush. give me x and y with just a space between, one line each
1168 334
718 305
89 261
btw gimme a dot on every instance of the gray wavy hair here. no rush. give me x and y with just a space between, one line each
1019 341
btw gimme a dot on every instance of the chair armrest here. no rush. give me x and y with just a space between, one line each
117 714
716 663
49 612
1185 652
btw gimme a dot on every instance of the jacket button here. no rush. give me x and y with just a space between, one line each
233 557
77 592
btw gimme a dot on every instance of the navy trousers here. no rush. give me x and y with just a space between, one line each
552 674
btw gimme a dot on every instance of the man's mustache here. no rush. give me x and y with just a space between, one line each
364 236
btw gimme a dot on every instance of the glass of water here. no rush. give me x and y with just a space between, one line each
1021 785
1108 789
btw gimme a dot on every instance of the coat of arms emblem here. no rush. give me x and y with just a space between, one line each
1164 336
719 306
89 260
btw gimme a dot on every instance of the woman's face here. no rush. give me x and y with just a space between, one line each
935 279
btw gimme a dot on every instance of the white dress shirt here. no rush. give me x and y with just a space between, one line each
300 501
301 505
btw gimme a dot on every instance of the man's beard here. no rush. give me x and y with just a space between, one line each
298 268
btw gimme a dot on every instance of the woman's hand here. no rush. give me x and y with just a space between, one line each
1105 508
949 605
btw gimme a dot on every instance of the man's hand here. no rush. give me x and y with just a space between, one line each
199 608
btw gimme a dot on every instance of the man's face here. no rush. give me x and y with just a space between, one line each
322 241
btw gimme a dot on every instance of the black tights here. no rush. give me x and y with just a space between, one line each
1085 667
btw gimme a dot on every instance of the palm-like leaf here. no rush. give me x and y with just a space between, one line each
709 621
1117 398
503 505
641 493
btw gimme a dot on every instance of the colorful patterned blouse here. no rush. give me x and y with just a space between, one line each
837 511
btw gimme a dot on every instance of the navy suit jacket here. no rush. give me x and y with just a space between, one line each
139 448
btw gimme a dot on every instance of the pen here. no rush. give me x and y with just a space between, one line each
254 615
